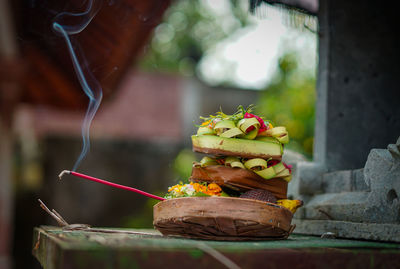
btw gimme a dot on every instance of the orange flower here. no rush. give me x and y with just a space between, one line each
198 187
206 123
213 189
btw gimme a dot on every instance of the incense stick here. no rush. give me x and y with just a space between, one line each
115 185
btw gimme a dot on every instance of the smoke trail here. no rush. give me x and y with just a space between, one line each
83 72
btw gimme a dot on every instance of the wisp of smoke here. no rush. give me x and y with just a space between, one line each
94 90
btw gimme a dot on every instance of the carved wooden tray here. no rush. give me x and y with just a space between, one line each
222 218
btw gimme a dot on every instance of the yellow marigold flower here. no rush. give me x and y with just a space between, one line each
176 188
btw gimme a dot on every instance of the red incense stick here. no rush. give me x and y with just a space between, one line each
110 184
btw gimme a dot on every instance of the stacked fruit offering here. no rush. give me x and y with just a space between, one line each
244 160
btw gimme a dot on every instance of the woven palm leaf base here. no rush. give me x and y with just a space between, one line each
222 218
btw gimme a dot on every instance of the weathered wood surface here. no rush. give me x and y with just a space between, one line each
222 218
55 248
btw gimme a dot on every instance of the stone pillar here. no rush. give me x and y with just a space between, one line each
358 82
357 89
350 189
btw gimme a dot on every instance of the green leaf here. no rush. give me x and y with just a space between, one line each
200 194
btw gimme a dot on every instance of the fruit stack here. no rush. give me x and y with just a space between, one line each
238 191
244 159
246 156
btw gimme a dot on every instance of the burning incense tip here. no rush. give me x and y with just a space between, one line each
63 173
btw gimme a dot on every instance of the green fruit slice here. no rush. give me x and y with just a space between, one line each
227 128
228 124
232 133
211 144
256 163
259 166
205 131
244 124
268 139
233 162
279 167
251 135
266 173
208 161
279 133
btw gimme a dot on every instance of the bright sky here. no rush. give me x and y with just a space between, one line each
249 57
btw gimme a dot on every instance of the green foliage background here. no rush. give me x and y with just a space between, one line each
187 31
289 100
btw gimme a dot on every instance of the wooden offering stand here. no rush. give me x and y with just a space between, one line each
222 218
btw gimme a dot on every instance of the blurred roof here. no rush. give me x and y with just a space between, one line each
146 106
110 43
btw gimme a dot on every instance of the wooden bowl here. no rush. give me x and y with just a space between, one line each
222 218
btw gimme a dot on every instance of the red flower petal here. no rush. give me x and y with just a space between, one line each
263 127
273 162
288 166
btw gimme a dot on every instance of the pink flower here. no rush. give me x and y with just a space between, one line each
263 127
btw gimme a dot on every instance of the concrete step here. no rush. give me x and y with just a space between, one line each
345 206
344 181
